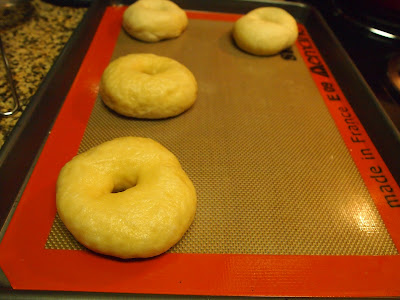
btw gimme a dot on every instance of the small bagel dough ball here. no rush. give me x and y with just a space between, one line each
265 31
128 198
154 20
148 86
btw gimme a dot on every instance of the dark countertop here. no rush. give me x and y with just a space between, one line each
32 40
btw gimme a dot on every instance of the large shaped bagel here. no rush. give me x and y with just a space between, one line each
154 20
148 86
265 31
128 198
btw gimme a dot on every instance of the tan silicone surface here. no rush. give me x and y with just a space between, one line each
271 171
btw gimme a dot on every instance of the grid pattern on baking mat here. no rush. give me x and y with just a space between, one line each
271 171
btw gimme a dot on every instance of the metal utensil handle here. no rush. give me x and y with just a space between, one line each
10 82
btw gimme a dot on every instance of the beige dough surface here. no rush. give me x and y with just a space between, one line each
154 20
148 86
128 198
265 31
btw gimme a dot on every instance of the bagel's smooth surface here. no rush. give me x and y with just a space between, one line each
148 86
265 31
154 20
128 198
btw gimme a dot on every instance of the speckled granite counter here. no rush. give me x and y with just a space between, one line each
32 42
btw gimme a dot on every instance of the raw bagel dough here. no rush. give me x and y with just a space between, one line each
128 198
148 86
154 20
265 31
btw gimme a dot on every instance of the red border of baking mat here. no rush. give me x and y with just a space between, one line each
28 265
381 185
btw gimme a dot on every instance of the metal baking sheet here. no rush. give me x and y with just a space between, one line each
281 128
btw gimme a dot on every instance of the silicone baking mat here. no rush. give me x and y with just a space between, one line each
293 197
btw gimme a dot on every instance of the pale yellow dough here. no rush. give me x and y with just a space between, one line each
128 198
148 86
265 31
154 20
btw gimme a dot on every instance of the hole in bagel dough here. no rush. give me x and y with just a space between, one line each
153 69
123 185
150 71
